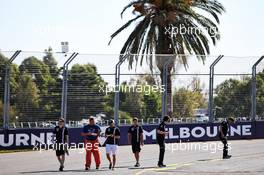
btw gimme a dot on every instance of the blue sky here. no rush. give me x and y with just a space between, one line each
87 25
33 25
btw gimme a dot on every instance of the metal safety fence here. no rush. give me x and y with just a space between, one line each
37 88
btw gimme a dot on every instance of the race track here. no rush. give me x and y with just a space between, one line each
201 158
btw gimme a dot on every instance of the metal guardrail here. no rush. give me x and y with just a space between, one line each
122 122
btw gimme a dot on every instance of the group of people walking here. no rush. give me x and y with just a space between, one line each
91 133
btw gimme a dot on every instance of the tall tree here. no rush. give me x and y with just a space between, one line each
233 98
51 62
84 95
14 74
39 72
27 98
3 61
187 101
150 36
41 76
53 97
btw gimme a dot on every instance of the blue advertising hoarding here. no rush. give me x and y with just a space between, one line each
28 138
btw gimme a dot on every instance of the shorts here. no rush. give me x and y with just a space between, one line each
111 149
60 151
136 147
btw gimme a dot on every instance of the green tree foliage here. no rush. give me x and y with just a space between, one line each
14 72
186 101
131 101
3 62
233 97
260 94
53 96
141 97
51 62
84 96
40 74
1 111
27 98
152 105
142 101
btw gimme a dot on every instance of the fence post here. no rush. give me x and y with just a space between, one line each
7 90
211 88
117 81
254 89
64 92
165 84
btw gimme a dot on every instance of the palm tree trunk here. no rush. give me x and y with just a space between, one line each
164 47
169 91
169 102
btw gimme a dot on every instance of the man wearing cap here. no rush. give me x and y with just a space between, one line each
91 133
135 138
161 133
112 134
223 129
61 141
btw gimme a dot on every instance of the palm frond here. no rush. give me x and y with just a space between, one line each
149 37
123 27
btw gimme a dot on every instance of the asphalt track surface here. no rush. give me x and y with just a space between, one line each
201 158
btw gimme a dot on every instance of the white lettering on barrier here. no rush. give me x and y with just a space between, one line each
208 131
246 130
184 132
22 139
49 138
10 140
40 139
198 135
199 132
150 134
171 136
234 130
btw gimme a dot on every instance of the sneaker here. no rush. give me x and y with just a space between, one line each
227 157
61 168
161 165
97 167
87 168
137 165
110 166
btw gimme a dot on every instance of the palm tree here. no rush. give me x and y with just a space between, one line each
156 32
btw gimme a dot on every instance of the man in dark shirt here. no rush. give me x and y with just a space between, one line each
135 138
224 127
91 133
62 139
161 133
112 134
